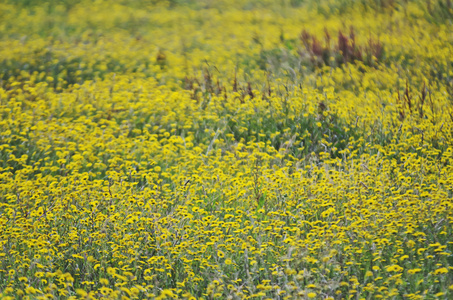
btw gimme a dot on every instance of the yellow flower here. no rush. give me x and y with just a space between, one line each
81 292
439 294
105 291
394 268
440 271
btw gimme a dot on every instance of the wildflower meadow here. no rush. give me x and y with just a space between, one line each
226 149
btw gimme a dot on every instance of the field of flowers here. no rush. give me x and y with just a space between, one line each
238 149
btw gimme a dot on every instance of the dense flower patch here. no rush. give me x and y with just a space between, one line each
226 149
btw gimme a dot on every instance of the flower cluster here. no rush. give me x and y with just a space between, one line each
193 149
